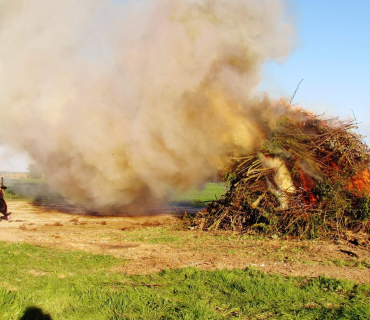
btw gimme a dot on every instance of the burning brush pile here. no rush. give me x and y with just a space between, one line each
310 178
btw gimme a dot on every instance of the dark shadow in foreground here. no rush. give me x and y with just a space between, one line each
34 313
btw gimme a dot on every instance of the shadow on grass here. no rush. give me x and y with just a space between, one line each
34 313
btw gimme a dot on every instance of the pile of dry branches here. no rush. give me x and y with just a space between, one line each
310 178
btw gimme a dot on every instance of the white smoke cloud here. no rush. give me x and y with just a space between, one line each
125 102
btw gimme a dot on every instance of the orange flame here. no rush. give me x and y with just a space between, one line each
360 184
307 183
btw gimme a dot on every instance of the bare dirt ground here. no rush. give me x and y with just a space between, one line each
153 243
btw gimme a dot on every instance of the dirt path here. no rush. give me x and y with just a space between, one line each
154 243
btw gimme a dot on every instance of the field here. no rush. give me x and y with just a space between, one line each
60 263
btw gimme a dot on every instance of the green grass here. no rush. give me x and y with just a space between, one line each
24 189
154 235
27 189
211 191
175 234
11 195
353 263
77 285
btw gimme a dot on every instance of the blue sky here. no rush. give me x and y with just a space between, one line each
332 55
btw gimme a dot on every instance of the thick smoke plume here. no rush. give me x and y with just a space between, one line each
124 102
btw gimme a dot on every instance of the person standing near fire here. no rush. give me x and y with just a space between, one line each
3 205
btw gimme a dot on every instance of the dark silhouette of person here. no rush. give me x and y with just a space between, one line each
34 313
3 205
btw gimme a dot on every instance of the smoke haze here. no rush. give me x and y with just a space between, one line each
123 103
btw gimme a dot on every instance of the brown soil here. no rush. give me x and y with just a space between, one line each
153 243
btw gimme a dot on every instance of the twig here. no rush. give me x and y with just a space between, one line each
351 253
291 100
358 129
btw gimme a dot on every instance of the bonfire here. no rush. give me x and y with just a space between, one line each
310 178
